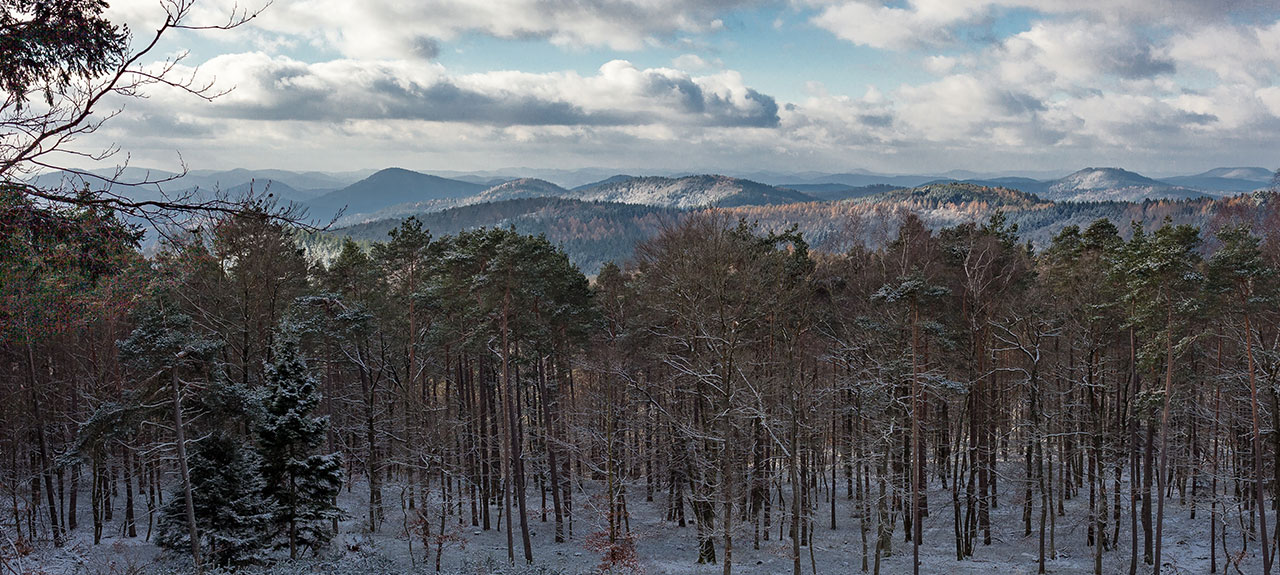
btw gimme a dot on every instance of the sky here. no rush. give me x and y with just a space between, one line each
1162 87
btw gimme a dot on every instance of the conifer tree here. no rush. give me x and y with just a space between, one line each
300 485
1245 284
229 507
1163 282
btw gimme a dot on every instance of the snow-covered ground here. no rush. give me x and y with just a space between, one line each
663 547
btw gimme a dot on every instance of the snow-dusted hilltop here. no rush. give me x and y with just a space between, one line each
685 192
1226 180
690 192
521 188
1114 184
1254 174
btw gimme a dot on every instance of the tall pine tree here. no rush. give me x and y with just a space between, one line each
300 485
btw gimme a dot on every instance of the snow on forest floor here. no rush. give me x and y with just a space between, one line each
663 547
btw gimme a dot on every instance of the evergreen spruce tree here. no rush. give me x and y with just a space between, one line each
300 485
234 518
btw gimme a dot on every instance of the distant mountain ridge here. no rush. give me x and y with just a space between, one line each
608 180
690 192
300 181
394 192
1226 180
935 196
594 232
521 188
390 187
836 192
1261 175
1115 184
1028 185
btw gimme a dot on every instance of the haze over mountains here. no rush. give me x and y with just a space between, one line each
145 184
602 220
393 191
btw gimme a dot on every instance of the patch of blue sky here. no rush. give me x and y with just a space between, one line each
473 53
779 52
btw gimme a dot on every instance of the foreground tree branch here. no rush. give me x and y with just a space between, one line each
60 63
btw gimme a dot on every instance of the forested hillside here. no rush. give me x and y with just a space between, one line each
727 395
594 233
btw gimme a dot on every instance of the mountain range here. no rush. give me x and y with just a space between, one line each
602 219
595 232
362 196
396 192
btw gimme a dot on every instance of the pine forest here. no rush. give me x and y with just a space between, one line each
725 400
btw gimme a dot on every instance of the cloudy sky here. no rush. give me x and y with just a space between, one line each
1159 86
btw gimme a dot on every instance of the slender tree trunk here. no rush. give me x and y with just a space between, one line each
916 471
794 472
183 473
46 466
1164 435
1257 448
1148 477
552 467
1133 456
1045 500
509 422
372 465
95 498
1213 485
130 523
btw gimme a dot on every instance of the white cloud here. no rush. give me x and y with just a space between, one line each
1078 57
827 121
1084 79
387 28
695 63
1270 97
940 64
963 107
895 25
277 87
891 27
1234 53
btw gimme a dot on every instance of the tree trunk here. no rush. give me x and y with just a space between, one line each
550 442
1257 448
183 473
916 463
129 522
46 466
1164 436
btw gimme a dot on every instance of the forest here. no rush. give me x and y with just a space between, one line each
238 403
950 378
595 233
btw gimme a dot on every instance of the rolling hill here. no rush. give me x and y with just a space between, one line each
594 232
608 180
934 196
387 188
306 185
836 192
521 188
690 192
1227 180
1114 184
